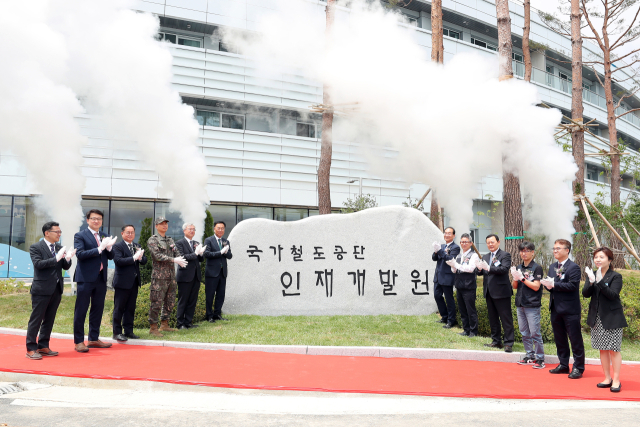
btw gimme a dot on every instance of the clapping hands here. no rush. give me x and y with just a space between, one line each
138 254
453 264
547 282
199 250
225 249
181 261
111 242
516 274
436 246
70 254
590 275
482 265
60 253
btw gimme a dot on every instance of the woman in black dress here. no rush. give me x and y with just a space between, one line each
606 316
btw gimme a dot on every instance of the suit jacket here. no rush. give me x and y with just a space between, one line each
216 262
444 276
605 301
127 273
47 272
496 280
186 274
565 295
89 259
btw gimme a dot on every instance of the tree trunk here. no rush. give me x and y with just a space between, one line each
437 40
511 196
326 147
580 240
436 215
526 52
613 132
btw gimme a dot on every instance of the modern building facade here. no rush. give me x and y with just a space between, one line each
261 143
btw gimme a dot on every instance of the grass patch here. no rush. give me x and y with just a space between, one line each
385 331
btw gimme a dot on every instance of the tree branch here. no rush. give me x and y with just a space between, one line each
585 12
627 112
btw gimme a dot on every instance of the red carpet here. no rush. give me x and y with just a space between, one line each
273 371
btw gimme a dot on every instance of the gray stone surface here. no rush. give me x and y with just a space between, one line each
395 239
344 351
293 349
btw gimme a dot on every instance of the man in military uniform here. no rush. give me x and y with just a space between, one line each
164 254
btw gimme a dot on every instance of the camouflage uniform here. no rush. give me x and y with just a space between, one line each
163 278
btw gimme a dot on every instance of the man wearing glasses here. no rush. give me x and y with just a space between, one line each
188 277
564 304
444 277
93 252
464 266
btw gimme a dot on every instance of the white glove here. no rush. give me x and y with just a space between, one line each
70 254
180 261
599 274
199 250
547 282
112 241
517 274
138 254
436 246
60 253
484 265
225 250
590 275
453 264
103 244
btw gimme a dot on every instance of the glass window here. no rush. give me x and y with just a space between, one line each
517 57
175 222
287 125
87 205
123 213
208 118
289 214
478 42
5 219
306 130
314 212
171 38
226 47
247 212
224 213
261 123
232 121
189 42
28 220
450 33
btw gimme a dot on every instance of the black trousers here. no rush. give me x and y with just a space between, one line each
43 314
187 300
500 312
124 309
446 302
467 307
214 287
568 325
89 293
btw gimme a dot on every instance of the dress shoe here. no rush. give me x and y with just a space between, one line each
575 374
81 348
464 334
191 325
220 318
212 320
508 349
183 327
120 337
559 370
450 325
47 352
98 344
605 385
494 345
441 321
472 335
33 355
615 389
132 336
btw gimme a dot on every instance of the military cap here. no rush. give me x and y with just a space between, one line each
160 220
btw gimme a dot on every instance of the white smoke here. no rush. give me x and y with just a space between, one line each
106 54
37 111
451 124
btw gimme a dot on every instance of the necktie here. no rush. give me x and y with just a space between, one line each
491 260
220 244
193 245
53 250
130 248
98 242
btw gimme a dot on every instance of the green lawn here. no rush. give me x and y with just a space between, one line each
386 331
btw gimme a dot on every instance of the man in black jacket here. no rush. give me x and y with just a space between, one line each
464 267
48 259
127 256
444 278
497 291
566 311
217 252
188 277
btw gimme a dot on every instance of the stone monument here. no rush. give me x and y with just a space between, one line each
377 261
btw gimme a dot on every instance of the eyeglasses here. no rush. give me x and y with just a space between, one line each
526 250
95 218
558 249
53 231
465 242
190 229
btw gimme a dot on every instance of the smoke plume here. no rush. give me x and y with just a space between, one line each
450 125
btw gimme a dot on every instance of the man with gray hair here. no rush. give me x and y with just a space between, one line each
464 267
188 277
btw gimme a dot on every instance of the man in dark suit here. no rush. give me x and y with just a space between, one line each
188 277
564 304
127 256
49 259
94 250
217 252
498 291
444 278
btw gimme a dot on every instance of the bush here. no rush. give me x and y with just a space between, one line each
630 297
12 286
141 318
